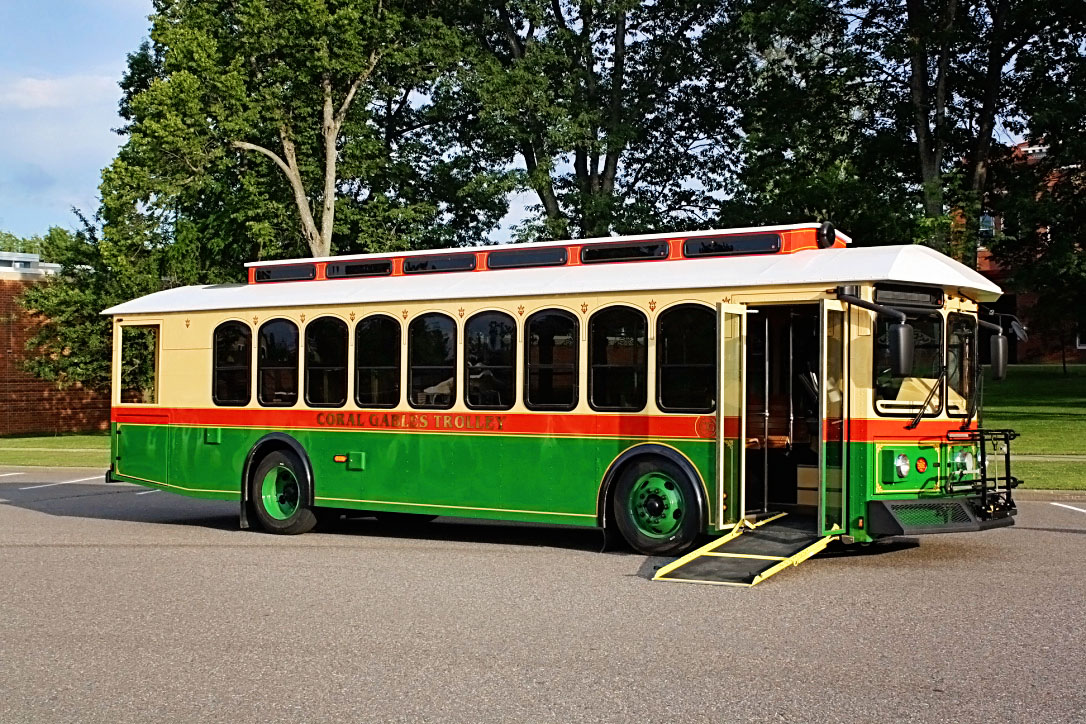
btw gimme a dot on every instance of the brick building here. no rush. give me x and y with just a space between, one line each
29 405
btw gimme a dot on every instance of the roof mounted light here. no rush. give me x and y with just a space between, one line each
826 235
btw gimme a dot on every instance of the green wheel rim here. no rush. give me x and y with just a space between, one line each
657 505
279 492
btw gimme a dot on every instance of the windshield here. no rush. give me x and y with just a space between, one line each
961 361
906 394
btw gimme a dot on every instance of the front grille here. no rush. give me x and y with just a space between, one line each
934 514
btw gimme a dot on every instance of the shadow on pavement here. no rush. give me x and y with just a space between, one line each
122 503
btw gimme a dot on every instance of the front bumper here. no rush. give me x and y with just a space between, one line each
943 515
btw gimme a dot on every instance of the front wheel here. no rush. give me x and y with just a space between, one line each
656 508
279 495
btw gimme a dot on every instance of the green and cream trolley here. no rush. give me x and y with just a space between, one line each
664 387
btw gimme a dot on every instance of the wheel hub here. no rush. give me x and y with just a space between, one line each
657 505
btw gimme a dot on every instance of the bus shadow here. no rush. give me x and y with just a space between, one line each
138 505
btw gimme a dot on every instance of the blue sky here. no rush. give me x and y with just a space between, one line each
59 67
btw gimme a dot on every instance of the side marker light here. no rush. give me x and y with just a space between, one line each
339 459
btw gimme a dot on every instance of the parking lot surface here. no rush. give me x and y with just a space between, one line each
123 605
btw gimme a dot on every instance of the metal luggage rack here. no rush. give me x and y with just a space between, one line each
993 489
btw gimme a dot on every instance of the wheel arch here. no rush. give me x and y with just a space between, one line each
270 443
631 456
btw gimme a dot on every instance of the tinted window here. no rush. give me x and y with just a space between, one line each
961 363
686 359
348 269
444 263
906 394
277 364
288 273
617 359
624 252
549 256
431 361
326 362
490 361
377 362
233 360
725 245
550 358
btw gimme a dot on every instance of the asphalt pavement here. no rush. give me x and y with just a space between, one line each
122 605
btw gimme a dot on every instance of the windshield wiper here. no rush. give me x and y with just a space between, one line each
934 388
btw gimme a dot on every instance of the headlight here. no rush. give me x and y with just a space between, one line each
902 464
964 461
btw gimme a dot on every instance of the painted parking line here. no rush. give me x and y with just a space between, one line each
1070 507
8 475
148 492
63 482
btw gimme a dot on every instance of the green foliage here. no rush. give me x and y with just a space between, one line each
10 242
72 341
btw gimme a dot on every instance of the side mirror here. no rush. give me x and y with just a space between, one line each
1000 352
902 344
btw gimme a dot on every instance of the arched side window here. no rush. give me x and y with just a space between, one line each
431 362
490 361
277 364
232 364
617 359
377 362
550 360
686 359
326 362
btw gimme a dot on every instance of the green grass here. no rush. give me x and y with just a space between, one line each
96 441
1047 408
71 451
1050 476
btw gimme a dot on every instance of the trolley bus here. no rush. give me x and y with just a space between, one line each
664 388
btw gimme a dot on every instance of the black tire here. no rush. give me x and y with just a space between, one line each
657 508
279 492
402 519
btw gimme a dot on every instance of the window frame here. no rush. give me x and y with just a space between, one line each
297 360
576 360
592 366
453 396
512 367
215 365
715 365
398 366
976 362
306 366
941 347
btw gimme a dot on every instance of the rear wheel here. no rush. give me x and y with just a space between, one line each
656 507
279 494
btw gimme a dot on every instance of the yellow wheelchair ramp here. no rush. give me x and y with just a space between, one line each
749 553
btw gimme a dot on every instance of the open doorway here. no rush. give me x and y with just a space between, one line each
782 431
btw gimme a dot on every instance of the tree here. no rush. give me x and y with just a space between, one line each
243 112
957 69
608 106
72 341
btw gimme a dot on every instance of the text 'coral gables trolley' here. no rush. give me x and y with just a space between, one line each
663 387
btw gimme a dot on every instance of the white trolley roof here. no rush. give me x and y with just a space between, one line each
832 267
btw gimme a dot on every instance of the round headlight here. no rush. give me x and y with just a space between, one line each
902 464
964 461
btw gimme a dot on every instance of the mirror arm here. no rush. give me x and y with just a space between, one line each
989 325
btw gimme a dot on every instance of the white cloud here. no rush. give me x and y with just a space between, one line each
72 91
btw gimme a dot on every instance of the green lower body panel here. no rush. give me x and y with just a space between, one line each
508 477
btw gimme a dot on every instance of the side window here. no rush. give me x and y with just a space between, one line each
490 361
617 364
550 360
686 359
139 364
232 364
326 362
377 362
277 364
431 362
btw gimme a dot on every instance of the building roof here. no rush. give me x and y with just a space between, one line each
833 266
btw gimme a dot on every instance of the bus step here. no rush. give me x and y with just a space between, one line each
749 553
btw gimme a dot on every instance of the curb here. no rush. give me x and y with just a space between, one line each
1045 495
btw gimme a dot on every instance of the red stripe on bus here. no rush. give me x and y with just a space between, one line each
558 424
